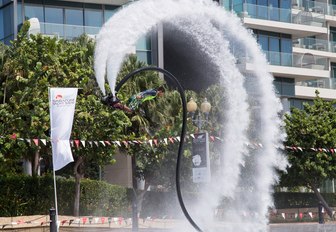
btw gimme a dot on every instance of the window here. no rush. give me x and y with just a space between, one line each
33 11
109 12
93 18
278 47
2 34
54 21
53 15
333 70
7 27
143 49
19 13
284 86
274 48
333 34
74 17
74 23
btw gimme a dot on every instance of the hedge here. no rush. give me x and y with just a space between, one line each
26 195
287 200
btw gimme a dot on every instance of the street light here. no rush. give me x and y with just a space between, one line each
205 109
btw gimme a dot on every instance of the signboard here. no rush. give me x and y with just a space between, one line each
200 158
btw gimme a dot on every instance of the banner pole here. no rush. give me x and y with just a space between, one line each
56 207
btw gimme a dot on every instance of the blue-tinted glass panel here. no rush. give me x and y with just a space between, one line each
2 34
274 44
109 13
274 48
286 45
284 86
286 52
274 11
74 23
262 10
263 41
19 13
227 4
53 15
144 56
286 4
8 24
93 18
252 2
237 6
74 17
54 21
144 43
33 11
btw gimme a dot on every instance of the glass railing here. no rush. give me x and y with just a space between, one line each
315 44
306 60
279 58
66 31
315 6
279 14
327 83
263 12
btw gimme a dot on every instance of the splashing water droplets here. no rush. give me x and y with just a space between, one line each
247 175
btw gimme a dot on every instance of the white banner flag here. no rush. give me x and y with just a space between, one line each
62 108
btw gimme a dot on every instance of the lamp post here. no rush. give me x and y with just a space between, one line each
199 120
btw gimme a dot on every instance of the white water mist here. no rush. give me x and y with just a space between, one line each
247 175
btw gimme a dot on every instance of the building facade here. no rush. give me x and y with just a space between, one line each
299 40
63 19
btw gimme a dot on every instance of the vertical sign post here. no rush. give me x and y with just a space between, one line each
200 158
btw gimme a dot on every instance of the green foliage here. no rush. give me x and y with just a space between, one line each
32 65
312 127
287 200
26 195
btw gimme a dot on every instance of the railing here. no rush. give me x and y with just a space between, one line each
315 44
306 60
314 6
326 83
279 14
66 31
263 12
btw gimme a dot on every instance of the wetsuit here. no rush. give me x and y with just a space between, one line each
138 99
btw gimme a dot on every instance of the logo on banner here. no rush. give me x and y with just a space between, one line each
59 101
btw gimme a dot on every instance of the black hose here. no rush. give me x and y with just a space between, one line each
183 131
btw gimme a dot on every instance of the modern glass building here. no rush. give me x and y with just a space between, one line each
298 38
63 19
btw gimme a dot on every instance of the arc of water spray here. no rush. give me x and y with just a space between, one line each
219 30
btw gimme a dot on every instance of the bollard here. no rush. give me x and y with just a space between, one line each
320 213
53 223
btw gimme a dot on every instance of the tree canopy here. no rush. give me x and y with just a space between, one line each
310 128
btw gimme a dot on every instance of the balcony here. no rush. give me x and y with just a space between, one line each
307 60
315 6
278 14
325 83
66 31
299 66
325 86
300 24
315 44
